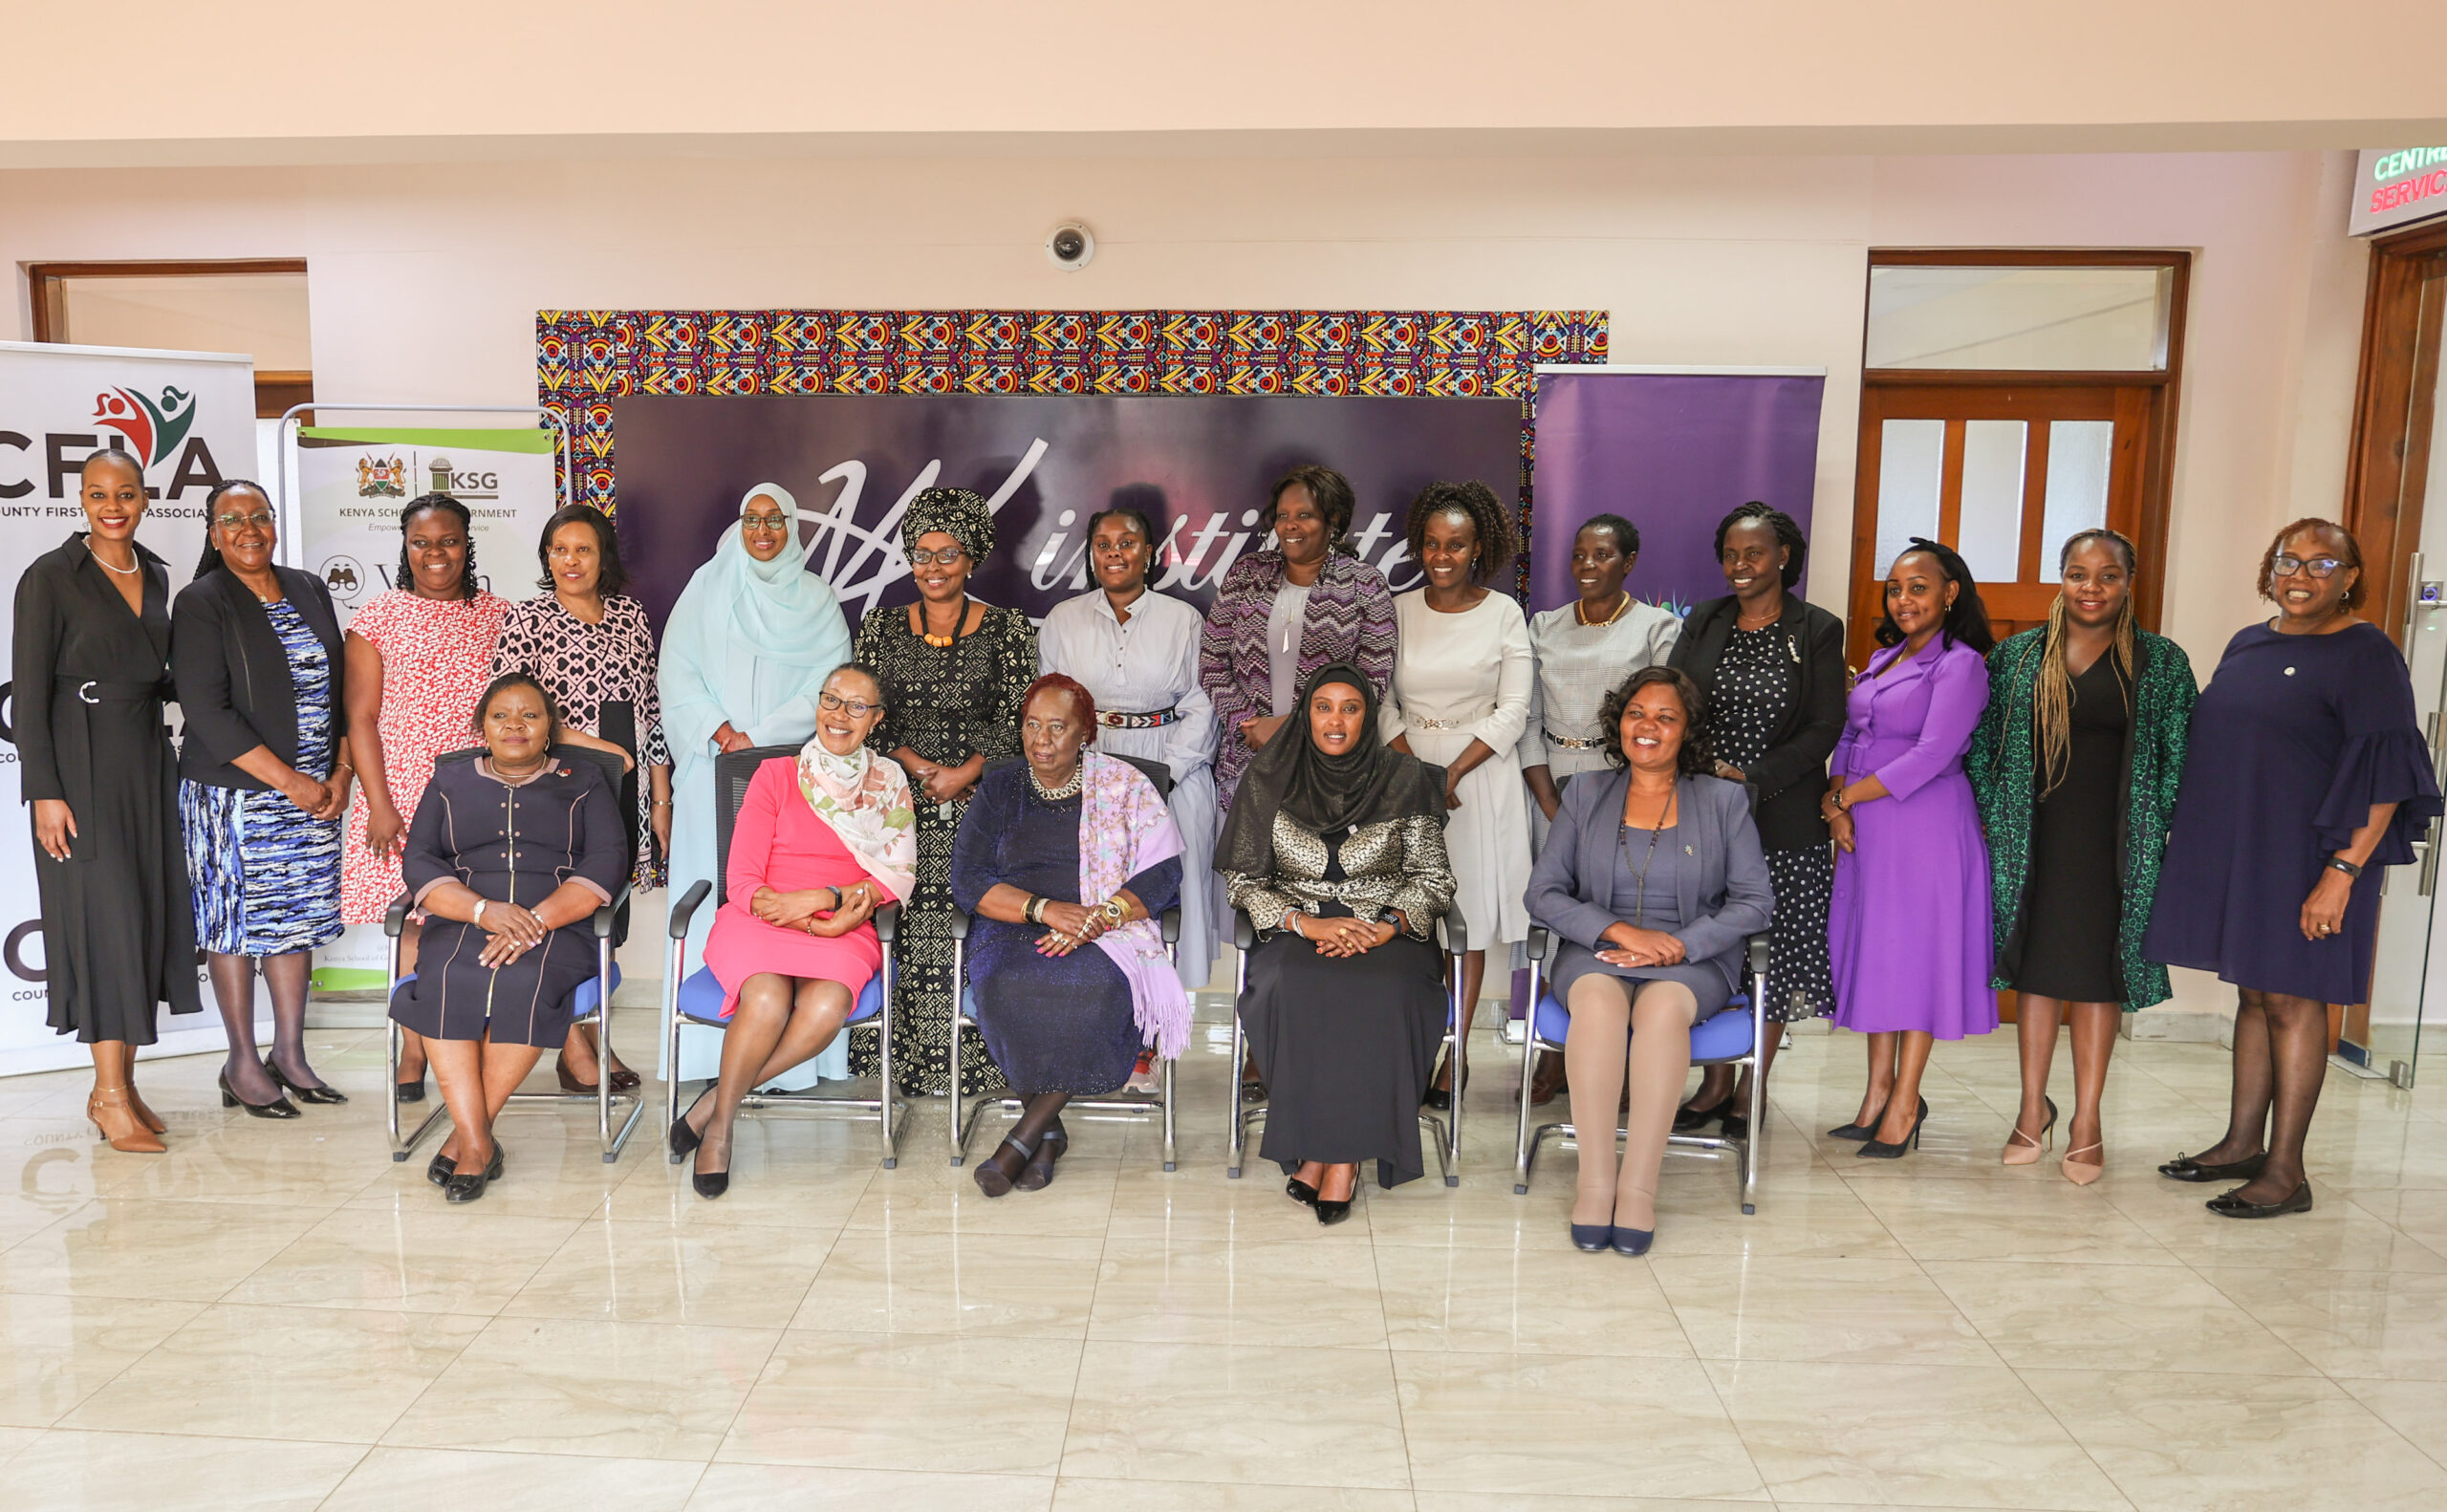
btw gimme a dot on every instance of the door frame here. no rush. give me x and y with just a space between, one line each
2390 451
2162 392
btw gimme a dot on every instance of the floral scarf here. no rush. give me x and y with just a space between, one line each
1124 829
866 801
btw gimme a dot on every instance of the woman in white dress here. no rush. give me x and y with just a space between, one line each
1462 681
1136 651
1585 650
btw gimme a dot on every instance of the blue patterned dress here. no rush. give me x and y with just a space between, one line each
264 875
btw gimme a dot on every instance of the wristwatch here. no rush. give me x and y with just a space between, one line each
2338 863
1115 911
478 916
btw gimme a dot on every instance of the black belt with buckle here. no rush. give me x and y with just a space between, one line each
1114 720
94 690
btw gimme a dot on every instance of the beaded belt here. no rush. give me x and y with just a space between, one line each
1114 720
1568 743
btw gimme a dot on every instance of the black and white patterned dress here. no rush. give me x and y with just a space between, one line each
602 676
1746 702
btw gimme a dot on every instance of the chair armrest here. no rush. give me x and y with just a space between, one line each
959 924
1169 924
394 919
687 908
1245 934
606 913
1758 952
887 922
1457 934
1540 942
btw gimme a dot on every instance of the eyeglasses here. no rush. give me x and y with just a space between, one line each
2289 564
947 556
858 708
764 522
261 519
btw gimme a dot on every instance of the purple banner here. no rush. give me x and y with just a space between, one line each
1671 452
1201 466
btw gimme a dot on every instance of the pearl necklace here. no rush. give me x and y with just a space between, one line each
129 571
1068 789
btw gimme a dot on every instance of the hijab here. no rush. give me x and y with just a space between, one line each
1370 784
866 803
739 613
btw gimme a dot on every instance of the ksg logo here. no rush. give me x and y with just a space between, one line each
476 484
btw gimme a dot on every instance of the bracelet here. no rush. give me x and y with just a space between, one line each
1291 923
1115 911
478 916
662 803
1034 910
2338 863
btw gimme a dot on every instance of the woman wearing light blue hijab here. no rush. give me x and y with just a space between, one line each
749 645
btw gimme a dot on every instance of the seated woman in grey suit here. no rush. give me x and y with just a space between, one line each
1652 878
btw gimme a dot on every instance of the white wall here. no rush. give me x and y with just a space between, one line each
425 279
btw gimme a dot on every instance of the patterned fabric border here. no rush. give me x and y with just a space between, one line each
586 358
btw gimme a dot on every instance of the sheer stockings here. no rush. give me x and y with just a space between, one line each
233 991
1656 1017
779 1023
1040 1117
2281 1059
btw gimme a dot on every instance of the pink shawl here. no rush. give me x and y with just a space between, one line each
1124 829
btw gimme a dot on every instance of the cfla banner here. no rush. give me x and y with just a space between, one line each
352 482
1201 466
1672 450
190 418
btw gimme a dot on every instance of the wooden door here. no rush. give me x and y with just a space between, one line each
2003 471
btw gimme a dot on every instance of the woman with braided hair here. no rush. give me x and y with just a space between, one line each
2074 765
416 659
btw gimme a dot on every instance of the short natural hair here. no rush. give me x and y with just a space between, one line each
612 577
1475 502
515 679
1626 534
1695 759
2350 556
1082 702
1331 490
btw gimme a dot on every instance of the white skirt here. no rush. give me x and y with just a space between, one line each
1488 839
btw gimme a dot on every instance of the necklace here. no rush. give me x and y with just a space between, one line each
940 643
1580 612
1742 621
1068 789
129 571
1639 880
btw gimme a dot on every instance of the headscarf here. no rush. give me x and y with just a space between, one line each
774 611
1370 784
956 512
866 801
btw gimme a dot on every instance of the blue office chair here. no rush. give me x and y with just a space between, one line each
1731 1036
589 1004
696 997
966 1109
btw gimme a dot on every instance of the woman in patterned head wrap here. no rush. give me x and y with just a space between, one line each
954 671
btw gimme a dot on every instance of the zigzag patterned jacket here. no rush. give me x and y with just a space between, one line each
1349 618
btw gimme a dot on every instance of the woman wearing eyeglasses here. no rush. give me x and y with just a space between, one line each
263 778
744 654
954 671
2306 775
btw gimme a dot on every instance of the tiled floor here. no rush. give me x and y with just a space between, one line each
274 1315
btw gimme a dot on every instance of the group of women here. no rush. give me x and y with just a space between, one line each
1346 766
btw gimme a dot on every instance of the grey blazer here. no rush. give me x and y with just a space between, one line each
1727 892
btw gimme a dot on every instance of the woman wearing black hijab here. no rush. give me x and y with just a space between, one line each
1334 846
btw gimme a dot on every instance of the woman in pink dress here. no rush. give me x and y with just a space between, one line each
820 845
419 657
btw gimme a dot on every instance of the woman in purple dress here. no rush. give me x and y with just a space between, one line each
1909 930
2306 774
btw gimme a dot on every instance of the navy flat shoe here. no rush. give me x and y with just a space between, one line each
1633 1240
1591 1237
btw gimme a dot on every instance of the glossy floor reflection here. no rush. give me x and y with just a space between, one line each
276 1315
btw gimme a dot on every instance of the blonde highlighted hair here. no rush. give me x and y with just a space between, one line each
2052 698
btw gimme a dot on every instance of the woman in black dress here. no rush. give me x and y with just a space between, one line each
2074 766
509 857
2298 790
1771 669
1064 851
953 671
91 664
1335 849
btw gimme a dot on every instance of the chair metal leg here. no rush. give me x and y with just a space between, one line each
1460 1076
395 1044
885 1092
1164 1075
1759 1029
673 971
952 1105
1528 1067
1240 1128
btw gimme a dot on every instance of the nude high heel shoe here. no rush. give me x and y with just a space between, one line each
113 1102
144 1113
2020 1149
2082 1172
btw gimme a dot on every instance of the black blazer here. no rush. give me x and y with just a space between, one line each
234 690
1791 778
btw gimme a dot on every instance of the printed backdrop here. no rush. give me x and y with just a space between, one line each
587 359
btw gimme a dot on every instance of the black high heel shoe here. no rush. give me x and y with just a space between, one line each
1331 1212
277 1108
467 1188
1300 1191
413 1091
1441 1098
322 1096
709 1184
1875 1148
2184 1168
1687 1118
684 1140
1858 1131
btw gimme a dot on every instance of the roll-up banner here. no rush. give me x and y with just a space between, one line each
352 483
1672 450
190 418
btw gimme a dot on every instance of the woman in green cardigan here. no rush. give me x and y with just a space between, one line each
2075 765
